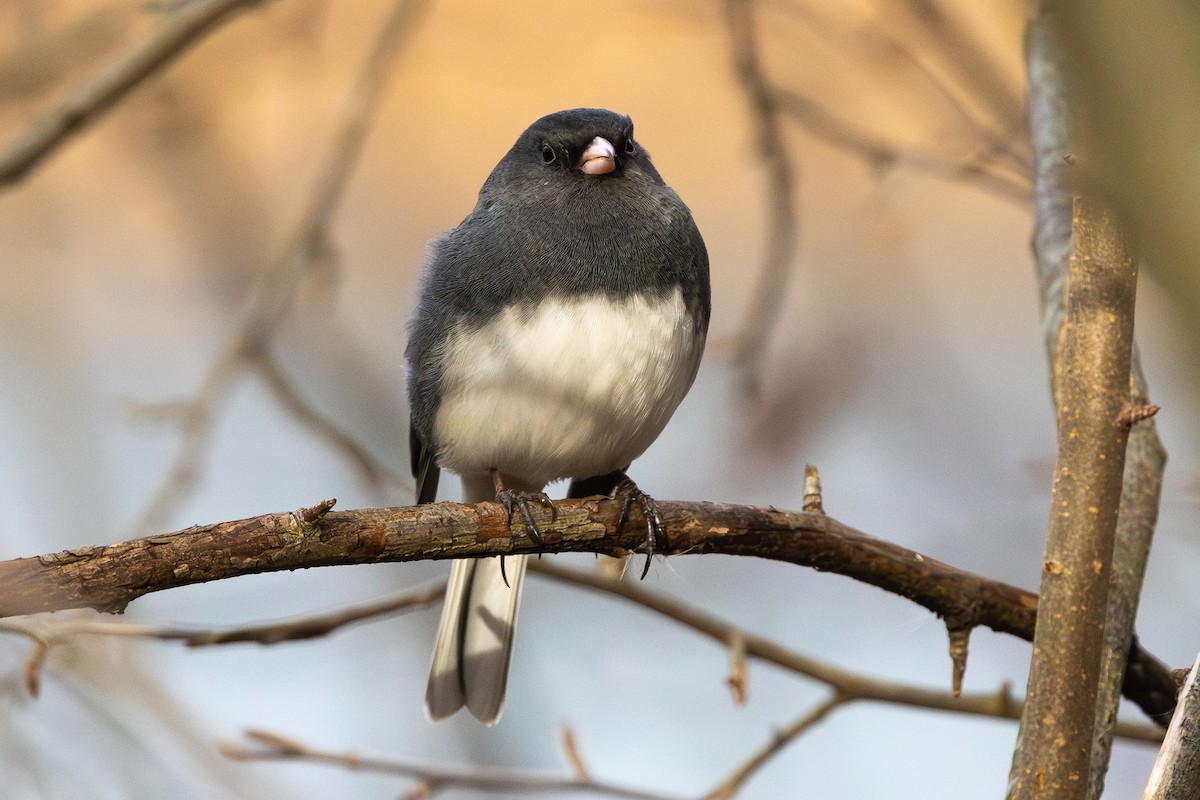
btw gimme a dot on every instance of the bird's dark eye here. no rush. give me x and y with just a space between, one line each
630 147
547 154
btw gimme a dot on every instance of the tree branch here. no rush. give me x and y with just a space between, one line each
750 343
108 578
1055 143
846 684
271 297
729 787
271 746
1054 754
89 101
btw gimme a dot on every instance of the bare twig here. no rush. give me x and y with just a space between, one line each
574 758
289 396
729 787
845 683
266 746
985 79
881 152
1000 163
812 500
737 668
186 26
46 634
960 639
779 171
272 295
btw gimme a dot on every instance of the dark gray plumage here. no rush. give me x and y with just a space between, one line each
559 326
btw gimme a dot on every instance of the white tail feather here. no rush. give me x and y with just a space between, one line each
475 636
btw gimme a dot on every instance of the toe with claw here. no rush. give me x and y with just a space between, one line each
656 531
520 502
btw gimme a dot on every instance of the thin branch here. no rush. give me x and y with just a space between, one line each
986 79
997 166
266 746
46 634
729 787
770 290
574 757
288 395
272 296
880 152
844 683
86 103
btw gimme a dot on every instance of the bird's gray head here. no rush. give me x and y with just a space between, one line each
584 143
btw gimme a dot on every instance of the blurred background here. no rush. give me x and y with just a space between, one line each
875 313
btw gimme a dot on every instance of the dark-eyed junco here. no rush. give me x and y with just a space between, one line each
560 325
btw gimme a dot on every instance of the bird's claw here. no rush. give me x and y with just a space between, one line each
520 501
656 530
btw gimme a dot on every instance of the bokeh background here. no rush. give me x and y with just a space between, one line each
906 362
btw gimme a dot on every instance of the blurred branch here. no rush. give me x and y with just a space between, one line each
729 787
759 319
288 395
46 633
182 28
985 79
1000 163
45 52
272 296
108 578
1056 152
846 684
882 153
265 746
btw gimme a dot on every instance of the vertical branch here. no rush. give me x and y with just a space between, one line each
769 294
1054 141
1054 753
1145 460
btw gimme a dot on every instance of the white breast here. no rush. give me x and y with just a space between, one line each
574 388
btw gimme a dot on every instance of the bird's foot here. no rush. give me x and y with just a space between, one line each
656 530
520 501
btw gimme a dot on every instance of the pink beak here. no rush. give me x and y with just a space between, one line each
600 158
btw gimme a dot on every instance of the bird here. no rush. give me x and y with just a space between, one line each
558 327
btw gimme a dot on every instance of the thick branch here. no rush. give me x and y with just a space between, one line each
1055 753
108 578
1055 143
